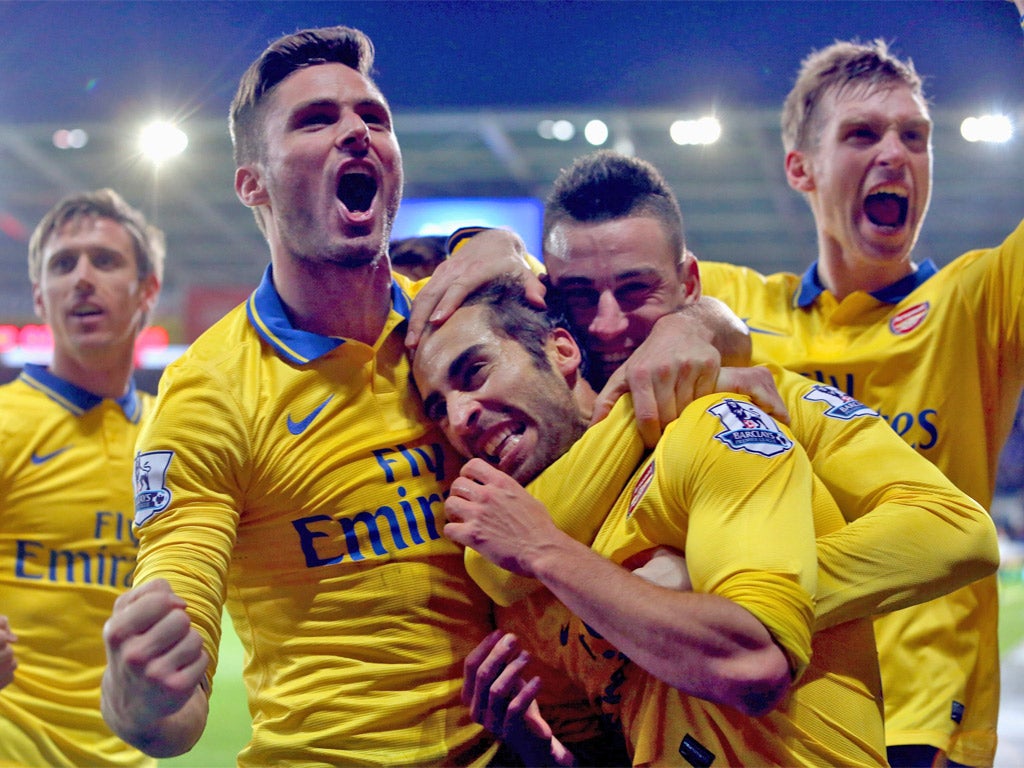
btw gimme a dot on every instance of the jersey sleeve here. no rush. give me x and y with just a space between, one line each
911 534
748 528
189 482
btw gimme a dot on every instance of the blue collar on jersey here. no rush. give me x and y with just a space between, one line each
267 316
811 287
73 397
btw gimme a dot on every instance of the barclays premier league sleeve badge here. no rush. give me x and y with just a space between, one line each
151 493
748 428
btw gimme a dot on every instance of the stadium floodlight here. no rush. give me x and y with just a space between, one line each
595 132
558 130
995 129
75 138
161 140
706 130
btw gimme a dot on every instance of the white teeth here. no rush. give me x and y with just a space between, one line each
500 441
889 189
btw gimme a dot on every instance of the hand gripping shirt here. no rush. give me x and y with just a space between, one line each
295 477
66 552
939 354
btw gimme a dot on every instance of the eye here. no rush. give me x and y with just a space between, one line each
473 377
376 115
435 407
632 295
62 264
107 260
579 298
862 134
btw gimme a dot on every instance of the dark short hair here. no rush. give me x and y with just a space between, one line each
306 48
606 185
514 317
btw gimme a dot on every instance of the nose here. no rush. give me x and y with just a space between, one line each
463 414
609 320
83 272
353 133
892 150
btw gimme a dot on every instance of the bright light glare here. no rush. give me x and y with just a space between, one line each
563 130
160 141
706 130
596 132
76 138
990 128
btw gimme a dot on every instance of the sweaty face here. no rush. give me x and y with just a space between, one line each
870 175
89 290
617 277
490 398
331 168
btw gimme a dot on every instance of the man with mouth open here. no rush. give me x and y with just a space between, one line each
940 353
288 473
67 438
717 674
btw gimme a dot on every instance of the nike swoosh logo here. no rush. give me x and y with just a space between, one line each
765 331
298 427
42 459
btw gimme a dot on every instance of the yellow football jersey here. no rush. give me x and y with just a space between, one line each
727 486
66 552
939 354
296 477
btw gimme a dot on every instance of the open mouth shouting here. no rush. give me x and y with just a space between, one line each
356 190
887 207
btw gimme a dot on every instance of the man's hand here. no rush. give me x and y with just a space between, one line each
155 664
8 662
674 366
502 700
492 513
479 260
757 383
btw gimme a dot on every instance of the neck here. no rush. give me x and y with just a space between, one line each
105 374
333 300
843 273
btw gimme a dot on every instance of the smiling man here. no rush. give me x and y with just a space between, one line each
288 472
67 437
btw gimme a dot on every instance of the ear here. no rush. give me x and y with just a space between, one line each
689 278
249 186
564 352
799 171
149 292
37 302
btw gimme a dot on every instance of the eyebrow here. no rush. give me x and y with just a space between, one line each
461 361
630 274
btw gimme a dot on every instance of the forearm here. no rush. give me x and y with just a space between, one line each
701 644
166 736
911 548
